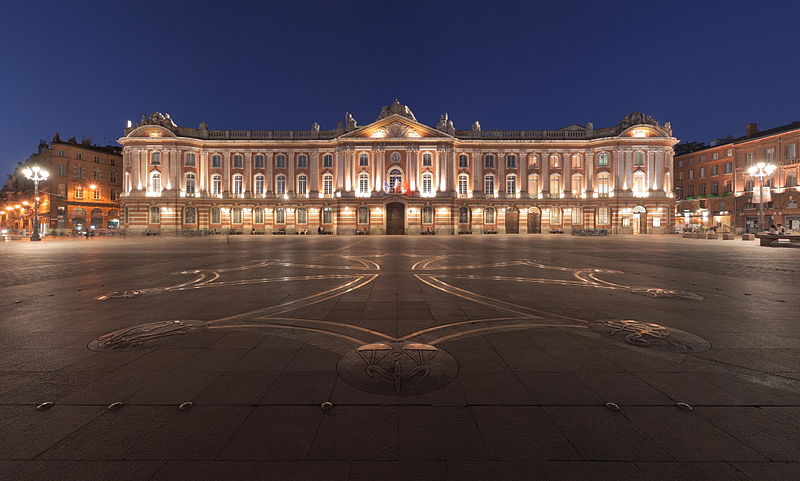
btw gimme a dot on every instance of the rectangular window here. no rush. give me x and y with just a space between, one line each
791 151
280 162
691 190
462 184
363 159
728 167
702 172
715 156
714 170
511 185
488 185
327 185
62 190
715 188
302 185
62 170
728 187
511 161
791 180
680 175
702 158
489 161
327 161
302 161
259 161
769 155
691 174
729 153
216 161
79 192
79 156
238 161
749 157
79 171
60 153
702 189
96 194
463 161
191 160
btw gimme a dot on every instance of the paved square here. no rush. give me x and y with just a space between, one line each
460 358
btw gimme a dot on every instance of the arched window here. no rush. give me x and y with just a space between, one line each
302 215
555 184
258 215
259 161
511 184
638 158
488 184
327 215
463 215
216 184
463 161
327 161
96 218
363 183
395 180
427 159
280 161
534 185
602 159
533 161
577 161
236 215
463 184
216 161
327 184
363 159
190 215
155 215
511 161
488 161
238 183
395 156
427 183
302 161
577 216
280 184
488 215
577 184
427 215
280 215
215 217
155 181
555 216
554 161
603 182
78 217
238 161
363 215
603 216
190 183
155 158
190 160
258 184
302 184
639 183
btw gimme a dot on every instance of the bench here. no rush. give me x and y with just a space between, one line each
774 240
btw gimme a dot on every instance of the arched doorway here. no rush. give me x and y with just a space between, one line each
97 219
395 218
512 220
78 218
534 221
639 220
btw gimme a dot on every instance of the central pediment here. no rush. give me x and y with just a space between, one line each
395 126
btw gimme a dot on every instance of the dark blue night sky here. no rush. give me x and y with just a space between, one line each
83 69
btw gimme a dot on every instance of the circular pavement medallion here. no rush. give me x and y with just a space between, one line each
652 335
397 368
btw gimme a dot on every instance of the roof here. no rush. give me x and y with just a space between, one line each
694 147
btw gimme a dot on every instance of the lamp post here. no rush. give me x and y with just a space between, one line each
36 174
761 170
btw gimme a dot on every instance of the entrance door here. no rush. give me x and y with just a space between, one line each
512 221
534 223
395 218
635 223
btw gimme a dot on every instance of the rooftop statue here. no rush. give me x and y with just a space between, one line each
476 126
157 118
396 108
350 121
637 118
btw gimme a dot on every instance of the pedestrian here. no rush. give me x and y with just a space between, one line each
773 230
781 229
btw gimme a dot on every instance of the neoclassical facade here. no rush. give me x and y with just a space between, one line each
398 176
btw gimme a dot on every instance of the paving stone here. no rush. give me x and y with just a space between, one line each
275 433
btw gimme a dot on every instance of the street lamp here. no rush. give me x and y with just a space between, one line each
36 174
761 170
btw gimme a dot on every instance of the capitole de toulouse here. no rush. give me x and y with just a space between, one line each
397 175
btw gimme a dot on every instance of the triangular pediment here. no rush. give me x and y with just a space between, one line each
395 127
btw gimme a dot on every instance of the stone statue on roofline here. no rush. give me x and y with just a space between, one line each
396 108
350 121
476 126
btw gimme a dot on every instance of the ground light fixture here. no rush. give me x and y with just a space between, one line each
761 170
36 174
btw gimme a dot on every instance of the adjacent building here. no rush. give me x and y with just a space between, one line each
82 191
397 176
714 189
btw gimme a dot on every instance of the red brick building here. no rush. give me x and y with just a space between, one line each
714 189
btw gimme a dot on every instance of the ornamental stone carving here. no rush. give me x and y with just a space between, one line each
157 118
396 109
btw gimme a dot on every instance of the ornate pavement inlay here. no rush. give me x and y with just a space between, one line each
649 334
397 368
138 335
380 363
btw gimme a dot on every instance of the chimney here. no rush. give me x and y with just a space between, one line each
750 130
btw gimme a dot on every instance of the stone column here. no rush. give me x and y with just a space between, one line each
248 173
347 170
545 180
588 165
413 153
133 156
477 173
523 176
501 174
226 172
202 170
291 161
566 163
377 176
270 163
313 189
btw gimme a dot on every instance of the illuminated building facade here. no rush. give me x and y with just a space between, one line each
398 176
713 188
83 188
